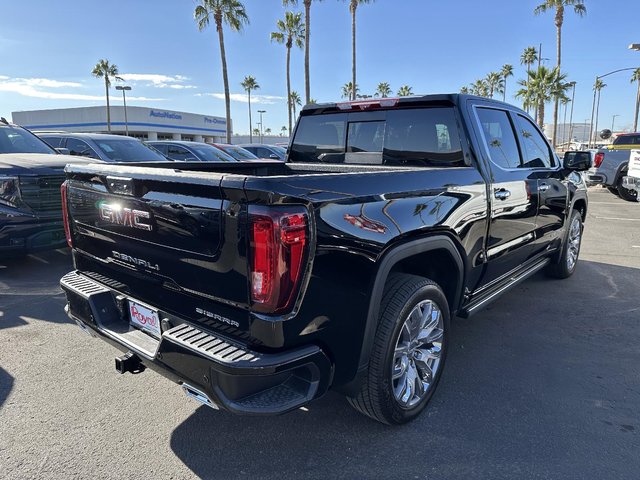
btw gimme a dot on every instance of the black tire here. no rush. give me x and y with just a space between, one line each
560 268
614 190
402 294
625 194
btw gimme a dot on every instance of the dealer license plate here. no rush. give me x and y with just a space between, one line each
144 318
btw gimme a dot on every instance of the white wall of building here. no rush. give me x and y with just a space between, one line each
142 122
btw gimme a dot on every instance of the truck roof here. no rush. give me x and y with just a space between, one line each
443 99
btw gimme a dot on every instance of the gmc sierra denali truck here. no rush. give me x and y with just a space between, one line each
257 287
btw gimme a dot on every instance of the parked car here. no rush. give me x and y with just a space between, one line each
610 166
183 151
103 147
340 268
31 173
273 152
237 152
631 181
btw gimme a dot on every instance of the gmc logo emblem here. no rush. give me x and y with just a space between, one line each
124 216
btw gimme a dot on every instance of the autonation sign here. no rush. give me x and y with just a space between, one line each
173 116
214 120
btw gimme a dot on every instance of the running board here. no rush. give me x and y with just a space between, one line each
478 304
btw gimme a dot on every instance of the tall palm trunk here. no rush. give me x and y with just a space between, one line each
541 112
289 44
354 5
106 87
528 69
504 93
307 24
250 125
635 121
559 21
595 134
225 77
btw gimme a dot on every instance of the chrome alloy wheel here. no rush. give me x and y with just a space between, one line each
575 235
417 355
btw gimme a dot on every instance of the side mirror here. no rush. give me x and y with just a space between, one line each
578 161
63 151
274 156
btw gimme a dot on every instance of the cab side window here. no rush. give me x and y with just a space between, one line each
501 138
536 150
80 148
181 154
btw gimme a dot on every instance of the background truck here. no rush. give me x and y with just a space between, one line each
341 268
631 180
610 166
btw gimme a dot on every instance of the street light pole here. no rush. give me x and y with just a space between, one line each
261 112
593 105
124 88
613 121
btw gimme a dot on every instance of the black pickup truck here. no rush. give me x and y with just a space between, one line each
257 287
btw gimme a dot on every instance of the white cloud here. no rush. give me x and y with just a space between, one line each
155 79
242 97
2 77
30 87
179 87
46 82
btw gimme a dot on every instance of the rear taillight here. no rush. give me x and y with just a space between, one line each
277 252
65 213
597 161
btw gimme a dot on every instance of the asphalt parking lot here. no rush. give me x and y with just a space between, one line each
545 383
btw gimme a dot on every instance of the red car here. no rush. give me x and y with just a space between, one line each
239 153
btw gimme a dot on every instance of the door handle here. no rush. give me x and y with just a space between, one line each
502 194
543 187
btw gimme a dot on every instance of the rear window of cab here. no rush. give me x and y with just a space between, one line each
408 137
627 140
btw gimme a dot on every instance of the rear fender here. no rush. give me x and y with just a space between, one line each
388 261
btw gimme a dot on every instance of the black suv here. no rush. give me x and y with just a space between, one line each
259 286
31 173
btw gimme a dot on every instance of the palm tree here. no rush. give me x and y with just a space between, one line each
542 85
383 90
283 131
353 6
598 86
528 58
267 131
636 78
294 99
104 69
307 22
232 13
465 90
405 91
348 91
494 83
506 72
256 132
480 88
249 84
558 6
290 31
312 101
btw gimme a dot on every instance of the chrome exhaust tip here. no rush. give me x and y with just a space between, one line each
199 396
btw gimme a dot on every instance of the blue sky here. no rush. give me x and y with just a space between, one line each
47 51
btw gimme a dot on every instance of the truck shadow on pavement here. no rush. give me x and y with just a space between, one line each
524 379
6 384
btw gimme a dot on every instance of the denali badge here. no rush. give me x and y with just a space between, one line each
124 216
135 261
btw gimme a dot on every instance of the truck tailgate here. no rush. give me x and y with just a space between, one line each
164 236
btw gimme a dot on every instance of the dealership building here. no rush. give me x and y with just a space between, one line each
142 122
